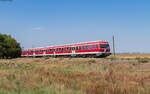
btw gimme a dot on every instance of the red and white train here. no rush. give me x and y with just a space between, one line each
96 49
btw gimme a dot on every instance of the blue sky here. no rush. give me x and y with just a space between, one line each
36 23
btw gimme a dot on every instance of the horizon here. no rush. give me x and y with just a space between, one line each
45 23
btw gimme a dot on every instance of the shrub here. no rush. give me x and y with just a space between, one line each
92 61
46 57
9 47
142 60
113 58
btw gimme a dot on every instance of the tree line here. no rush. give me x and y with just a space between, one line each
9 47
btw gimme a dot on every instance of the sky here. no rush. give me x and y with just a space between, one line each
38 23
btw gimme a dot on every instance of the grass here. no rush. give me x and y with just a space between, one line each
74 76
142 60
113 58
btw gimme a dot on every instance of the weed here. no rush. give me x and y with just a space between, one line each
104 68
142 60
92 61
113 58
46 57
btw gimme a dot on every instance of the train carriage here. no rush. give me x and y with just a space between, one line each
97 48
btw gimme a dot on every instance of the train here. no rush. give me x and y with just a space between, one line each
83 49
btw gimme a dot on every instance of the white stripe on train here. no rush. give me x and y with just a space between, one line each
97 53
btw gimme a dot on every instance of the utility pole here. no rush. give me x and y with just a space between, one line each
113 38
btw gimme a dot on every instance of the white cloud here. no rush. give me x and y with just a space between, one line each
38 28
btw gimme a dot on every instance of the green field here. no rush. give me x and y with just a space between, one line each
75 76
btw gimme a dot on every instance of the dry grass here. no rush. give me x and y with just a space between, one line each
74 76
132 55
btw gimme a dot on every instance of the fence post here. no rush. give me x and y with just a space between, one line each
113 45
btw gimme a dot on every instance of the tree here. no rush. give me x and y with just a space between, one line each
9 47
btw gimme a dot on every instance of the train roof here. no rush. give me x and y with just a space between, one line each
72 44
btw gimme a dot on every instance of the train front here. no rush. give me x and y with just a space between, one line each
105 49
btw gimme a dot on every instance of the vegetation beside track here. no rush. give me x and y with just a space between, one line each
74 76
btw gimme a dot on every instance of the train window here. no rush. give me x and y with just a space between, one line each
90 47
59 49
82 47
104 45
62 49
67 48
70 48
40 51
93 47
46 50
73 48
86 47
97 46
79 47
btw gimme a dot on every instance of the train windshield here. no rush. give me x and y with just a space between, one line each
104 45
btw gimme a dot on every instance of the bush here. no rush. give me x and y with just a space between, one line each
9 47
142 60
92 61
113 58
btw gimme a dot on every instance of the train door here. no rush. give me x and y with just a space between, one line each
33 53
54 52
73 51
44 52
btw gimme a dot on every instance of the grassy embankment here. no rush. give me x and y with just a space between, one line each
75 76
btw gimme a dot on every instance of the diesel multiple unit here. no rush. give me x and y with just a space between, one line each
96 49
